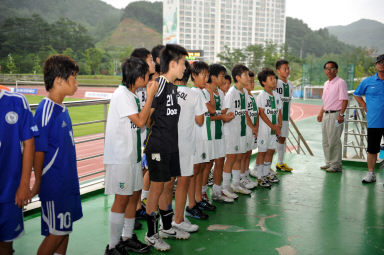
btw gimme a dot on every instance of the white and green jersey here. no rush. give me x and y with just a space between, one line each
236 101
141 93
252 111
217 125
285 91
122 136
271 105
203 132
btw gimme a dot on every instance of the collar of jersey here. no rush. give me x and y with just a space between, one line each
181 85
162 76
242 92
62 106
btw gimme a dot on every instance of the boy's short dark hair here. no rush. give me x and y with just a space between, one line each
228 77
215 70
140 53
132 69
171 52
238 70
156 54
187 73
263 75
281 62
251 74
58 66
197 67
331 62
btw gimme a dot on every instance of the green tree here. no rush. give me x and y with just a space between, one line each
93 58
256 53
11 65
229 58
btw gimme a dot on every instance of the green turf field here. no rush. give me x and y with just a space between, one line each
80 114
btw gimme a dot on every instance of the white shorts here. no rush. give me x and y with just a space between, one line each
218 148
186 164
285 129
266 142
251 142
123 179
203 152
235 144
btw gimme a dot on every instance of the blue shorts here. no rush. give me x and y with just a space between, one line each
57 216
11 222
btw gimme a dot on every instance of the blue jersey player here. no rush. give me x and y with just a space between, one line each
16 127
55 157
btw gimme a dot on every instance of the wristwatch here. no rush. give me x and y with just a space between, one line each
342 115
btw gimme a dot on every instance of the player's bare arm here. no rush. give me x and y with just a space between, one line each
23 192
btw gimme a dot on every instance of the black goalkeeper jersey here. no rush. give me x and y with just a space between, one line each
163 136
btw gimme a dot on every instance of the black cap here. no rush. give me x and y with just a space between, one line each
380 58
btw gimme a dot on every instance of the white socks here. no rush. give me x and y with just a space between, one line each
216 189
266 168
144 194
280 153
226 179
204 189
236 177
116 222
259 169
129 224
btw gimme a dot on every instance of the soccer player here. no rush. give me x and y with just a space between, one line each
122 155
199 74
227 84
217 73
55 157
269 106
192 111
251 138
235 132
162 150
141 93
285 90
17 143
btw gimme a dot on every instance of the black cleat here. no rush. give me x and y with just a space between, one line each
196 213
113 251
132 244
205 205
141 214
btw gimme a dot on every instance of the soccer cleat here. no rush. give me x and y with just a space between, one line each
253 173
227 191
325 167
263 182
196 213
174 233
248 183
186 226
205 197
272 178
132 244
220 197
334 169
205 205
113 251
369 177
283 167
157 243
238 188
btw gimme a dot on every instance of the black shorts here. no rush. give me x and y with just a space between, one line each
374 139
163 166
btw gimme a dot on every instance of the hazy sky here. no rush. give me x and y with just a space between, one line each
320 13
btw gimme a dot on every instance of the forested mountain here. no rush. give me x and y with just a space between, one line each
303 41
150 14
362 33
96 16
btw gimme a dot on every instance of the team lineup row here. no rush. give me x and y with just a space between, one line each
189 131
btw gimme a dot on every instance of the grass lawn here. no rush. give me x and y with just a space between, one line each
80 114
